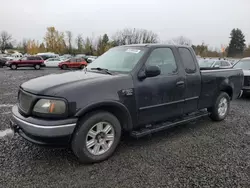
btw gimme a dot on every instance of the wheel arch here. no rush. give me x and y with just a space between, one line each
114 107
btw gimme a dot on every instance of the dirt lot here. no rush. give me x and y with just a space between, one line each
201 154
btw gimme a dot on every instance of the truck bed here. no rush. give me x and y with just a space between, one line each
214 79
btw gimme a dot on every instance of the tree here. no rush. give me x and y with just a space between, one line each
182 41
32 47
88 46
247 51
79 43
237 43
103 44
5 40
55 40
134 36
69 37
24 46
201 50
42 47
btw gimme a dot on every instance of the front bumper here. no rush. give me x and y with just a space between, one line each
40 131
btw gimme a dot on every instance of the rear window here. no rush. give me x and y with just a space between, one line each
187 60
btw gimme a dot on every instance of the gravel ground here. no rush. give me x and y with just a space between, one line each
200 154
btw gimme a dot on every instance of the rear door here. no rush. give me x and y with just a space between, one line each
49 62
193 79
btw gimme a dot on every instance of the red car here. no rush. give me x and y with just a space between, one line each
73 63
32 61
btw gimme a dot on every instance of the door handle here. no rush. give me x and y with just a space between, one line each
180 83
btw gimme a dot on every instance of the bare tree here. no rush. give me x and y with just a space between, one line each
182 41
5 40
69 37
134 36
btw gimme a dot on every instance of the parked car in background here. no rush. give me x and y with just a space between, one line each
80 56
3 61
32 61
66 56
90 59
48 55
140 89
214 63
53 62
244 64
73 63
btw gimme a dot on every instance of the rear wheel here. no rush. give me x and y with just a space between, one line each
64 66
13 66
82 67
97 137
37 67
221 107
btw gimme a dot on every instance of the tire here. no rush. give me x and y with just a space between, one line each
37 67
221 107
82 67
13 67
82 135
64 66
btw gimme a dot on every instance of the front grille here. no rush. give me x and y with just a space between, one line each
246 80
25 101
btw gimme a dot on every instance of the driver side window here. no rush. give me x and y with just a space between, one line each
164 59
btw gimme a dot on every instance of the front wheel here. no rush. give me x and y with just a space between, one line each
221 107
13 67
97 137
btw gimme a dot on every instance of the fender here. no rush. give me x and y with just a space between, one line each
128 121
227 87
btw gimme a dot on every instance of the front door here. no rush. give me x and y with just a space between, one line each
160 97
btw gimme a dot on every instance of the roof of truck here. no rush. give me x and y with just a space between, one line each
155 45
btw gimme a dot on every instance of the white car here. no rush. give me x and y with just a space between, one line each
53 62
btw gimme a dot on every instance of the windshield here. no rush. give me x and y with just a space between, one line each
243 64
206 63
120 59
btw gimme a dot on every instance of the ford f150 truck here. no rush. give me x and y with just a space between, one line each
139 89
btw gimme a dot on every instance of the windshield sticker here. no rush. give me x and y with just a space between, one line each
133 51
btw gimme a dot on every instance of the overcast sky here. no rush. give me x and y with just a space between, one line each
199 20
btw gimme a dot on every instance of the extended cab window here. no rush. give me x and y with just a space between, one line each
224 63
164 58
187 60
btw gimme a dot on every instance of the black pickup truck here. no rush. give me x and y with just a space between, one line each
140 89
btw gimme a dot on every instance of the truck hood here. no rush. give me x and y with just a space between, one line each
246 72
50 82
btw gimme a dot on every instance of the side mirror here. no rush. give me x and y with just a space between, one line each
150 71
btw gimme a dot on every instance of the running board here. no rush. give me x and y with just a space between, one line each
162 126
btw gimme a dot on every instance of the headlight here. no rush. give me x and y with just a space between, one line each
47 106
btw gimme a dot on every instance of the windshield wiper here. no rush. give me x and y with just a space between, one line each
102 69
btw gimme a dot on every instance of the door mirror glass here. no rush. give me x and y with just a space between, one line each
152 71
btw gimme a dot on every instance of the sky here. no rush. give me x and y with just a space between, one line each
199 20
